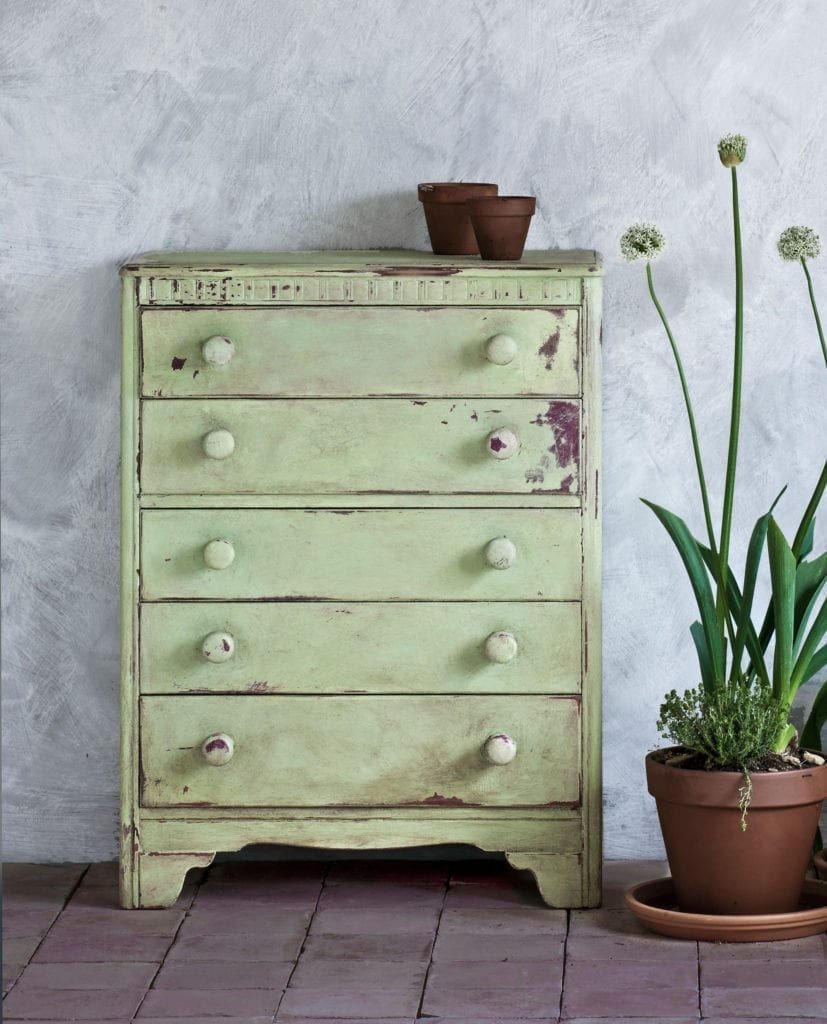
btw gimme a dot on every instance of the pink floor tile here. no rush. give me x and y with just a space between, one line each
19 923
362 975
489 947
17 877
786 974
538 976
482 896
365 895
487 1003
265 1019
117 922
233 872
372 921
369 947
243 919
90 947
218 974
488 1020
637 1020
774 1002
306 1002
198 1003
99 976
636 948
504 921
19 950
27 1002
277 948
606 922
810 948
619 988
275 894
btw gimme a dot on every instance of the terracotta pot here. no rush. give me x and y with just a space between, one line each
716 867
449 225
820 860
501 224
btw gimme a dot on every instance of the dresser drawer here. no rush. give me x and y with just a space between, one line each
457 647
359 751
361 555
344 446
347 351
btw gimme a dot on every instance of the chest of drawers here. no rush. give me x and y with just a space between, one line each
361 570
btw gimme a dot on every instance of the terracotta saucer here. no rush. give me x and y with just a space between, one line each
653 904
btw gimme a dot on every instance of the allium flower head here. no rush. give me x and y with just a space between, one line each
798 243
642 242
732 149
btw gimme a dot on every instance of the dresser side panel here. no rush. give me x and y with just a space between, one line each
129 592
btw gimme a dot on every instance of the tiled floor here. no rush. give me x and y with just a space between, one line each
390 943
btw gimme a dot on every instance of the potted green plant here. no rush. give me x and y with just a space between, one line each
739 794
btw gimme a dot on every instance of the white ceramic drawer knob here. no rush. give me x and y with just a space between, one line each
218 749
500 553
218 444
219 554
218 350
502 443
499 749
500 349
501 647
218 647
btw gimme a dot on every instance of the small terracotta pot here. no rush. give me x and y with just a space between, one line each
501 224
716 867
449 225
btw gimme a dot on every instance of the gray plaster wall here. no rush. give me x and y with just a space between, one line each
132 124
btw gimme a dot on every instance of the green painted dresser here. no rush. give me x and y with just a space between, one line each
361 559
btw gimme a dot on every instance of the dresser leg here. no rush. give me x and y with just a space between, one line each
559 877
161 876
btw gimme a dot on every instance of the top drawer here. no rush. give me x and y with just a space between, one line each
357 352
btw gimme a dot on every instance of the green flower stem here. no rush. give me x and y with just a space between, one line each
696 448
809 513
815 310
735 420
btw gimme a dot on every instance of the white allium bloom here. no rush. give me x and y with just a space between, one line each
732 149
642 242
798 243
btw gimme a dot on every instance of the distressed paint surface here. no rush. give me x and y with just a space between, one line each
376 751
381 555
150 147
360 352
336 447
368 647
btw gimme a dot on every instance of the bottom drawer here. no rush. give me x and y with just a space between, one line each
361 751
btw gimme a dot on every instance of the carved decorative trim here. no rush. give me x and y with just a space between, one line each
522 289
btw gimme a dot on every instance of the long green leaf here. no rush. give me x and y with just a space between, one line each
808 649
811 734
694 564
817 663
753 562
782 576
757 666
810 580
705 662
804 533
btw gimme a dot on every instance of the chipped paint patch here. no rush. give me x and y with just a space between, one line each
564 420
178 362
437 800
548 350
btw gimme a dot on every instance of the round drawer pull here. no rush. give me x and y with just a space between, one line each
500 553
218 749
219 554
500 648
499 749
500 349
218 350
502 443
218 647
218 444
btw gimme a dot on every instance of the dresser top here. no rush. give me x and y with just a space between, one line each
374 262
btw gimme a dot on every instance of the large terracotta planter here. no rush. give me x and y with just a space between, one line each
501 224
716 867
446 214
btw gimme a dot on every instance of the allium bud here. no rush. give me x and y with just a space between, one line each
642 242
732 149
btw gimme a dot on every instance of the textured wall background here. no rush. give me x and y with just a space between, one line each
134 125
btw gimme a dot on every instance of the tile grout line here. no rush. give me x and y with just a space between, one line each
70 894
448 877
565 960
325 873
171 944
698 956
